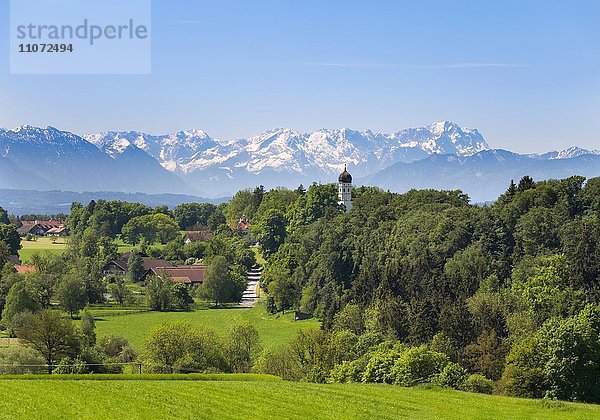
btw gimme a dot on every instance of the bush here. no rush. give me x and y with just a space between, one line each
478 383
180 297
453 376
417 365
368 342
381 362
241 347
316 375
113 345
70 366
349 371
271 307
278 363
20 360
441 343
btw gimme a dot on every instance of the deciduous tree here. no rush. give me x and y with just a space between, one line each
52 336
71 294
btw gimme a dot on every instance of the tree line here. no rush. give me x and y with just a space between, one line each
511 288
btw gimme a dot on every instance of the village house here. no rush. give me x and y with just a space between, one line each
197 236
21 269
43 227
119 267
186 274
58 231
242 227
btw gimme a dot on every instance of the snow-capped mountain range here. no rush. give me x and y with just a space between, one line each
284 149
195 163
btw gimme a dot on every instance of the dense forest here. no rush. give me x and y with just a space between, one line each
508 291
421 287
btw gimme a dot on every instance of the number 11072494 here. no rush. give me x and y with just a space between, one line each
40 48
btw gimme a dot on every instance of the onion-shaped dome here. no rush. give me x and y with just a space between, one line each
345 176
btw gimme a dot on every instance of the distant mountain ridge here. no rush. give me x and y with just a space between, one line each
284 149
54 159
26 201
484 175
441 155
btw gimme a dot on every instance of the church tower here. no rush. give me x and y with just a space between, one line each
345 189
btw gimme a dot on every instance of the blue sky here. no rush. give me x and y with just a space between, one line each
525 73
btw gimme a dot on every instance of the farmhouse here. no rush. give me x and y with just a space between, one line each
197 236
119 267
242 227
43 227
21 269
58 231
187 274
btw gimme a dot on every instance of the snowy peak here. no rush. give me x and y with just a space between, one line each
572 152
48 141
442 138
111 143
277 139
170 150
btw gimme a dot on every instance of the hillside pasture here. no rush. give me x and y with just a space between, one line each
274 330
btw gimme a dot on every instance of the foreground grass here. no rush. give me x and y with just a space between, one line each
243 399
146 377
274 331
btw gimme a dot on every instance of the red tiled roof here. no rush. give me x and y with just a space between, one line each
193 273
59 229
148 263
22 269
242 224
185 280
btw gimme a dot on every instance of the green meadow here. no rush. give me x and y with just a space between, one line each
40 245
254 396
274 330
54 246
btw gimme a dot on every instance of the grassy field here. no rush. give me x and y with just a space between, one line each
53 245
275 331
57 246
256 397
